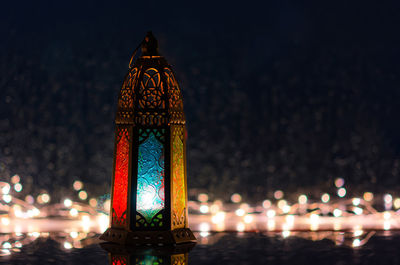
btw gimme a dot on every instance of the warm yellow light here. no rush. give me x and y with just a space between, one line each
204 227
244 206
5 220
204 209
67 203
214 208
278 194
18 187
302 199
74 234
271 225
337 212
266 204
82 195
271 213
386 215
248 219
368 196
357 233
356 242
93 202
240 212
7 198
102 221
6 188
240 227
386 225
285 233
236 198
356 201
78 185
286 209
218 218
289 220
18 244
358 210
43 198
29 199
314 218
73 212
341 192
107 205
7 245
281 204
339 182
202 197
325 198
15 179
388 198
67 245
337 226
396 203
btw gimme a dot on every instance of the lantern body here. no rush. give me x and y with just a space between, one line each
149 188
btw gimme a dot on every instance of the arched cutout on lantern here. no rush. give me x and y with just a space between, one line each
149 190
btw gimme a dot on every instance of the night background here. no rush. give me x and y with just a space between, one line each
277 95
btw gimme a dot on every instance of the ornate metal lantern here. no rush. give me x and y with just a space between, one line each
149 190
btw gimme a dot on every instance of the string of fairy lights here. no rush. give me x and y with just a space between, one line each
75 224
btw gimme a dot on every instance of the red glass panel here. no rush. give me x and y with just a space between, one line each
120 189
119 260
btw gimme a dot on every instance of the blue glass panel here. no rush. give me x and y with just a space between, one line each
150 181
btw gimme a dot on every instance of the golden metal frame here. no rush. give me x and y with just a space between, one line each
137 110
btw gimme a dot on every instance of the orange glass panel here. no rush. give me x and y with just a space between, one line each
178 178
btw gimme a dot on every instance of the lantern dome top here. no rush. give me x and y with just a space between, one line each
150 45
150 94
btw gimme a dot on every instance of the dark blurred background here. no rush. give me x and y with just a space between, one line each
277 95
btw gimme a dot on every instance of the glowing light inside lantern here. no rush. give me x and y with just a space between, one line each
150 182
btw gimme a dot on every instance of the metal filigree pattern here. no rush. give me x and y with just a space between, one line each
178 178
150 199
121 174
151 91
150 96
178 259
176 115
127 97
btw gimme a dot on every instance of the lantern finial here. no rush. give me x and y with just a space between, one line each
150 45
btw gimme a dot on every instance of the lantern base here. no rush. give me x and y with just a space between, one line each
137 238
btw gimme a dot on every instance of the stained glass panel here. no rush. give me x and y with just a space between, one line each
178 175
151 177
119 260
120 192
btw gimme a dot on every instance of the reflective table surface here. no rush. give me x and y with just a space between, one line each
324 247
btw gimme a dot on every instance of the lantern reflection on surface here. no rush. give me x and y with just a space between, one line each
168 255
